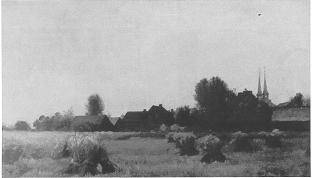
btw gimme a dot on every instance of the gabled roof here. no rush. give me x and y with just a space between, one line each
135 116
157 109
114 120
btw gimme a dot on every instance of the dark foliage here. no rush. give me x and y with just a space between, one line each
182 116
95 105
213 97
296 101
22 125
91 124
57 122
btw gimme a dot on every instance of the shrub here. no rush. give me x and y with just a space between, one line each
185 142
87 153
241 142
273 139
22 125
210 146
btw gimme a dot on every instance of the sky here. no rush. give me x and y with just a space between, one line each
140 53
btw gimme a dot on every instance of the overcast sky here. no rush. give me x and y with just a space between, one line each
138 53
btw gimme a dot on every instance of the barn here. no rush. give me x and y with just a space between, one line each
145 120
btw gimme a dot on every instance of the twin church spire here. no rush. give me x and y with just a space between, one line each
265 94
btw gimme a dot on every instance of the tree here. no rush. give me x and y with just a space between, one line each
213 96
296 101
22 125
95 105
182 116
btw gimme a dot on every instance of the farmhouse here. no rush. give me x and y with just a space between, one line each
145 120
291 118
92 123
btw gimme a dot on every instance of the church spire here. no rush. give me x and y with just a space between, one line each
259 94
265 89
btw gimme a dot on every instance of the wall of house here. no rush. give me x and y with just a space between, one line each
291 114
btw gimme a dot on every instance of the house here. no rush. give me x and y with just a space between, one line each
133 121
291 118
145 120
92 123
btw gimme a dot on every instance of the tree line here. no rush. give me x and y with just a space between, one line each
217 108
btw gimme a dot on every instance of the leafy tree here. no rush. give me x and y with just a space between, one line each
296 101
22 125
213 97
182 116
95 105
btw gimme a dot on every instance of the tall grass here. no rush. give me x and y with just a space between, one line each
153 156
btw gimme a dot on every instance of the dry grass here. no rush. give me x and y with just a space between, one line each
151 155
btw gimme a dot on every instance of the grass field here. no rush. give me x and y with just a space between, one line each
150 155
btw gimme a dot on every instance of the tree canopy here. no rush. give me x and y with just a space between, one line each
95 105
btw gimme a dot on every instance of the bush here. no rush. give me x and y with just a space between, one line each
210 146
185 142
22 125
241 142
87 153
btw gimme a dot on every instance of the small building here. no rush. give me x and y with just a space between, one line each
145 120
92 123
297 119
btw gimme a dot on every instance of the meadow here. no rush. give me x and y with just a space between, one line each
149 154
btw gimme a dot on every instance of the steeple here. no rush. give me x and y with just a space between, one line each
259 94
265 89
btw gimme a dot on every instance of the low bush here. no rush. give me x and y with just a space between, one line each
210 146
241 142
185 142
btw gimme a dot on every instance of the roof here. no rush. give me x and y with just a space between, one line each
135 116
157 109
114 120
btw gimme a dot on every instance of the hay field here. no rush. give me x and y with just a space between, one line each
146 154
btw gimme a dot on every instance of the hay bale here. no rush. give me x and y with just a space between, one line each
87 154
12 153
273 139
241 142
163 128
169 137
176 128
185 142
307 152
210 146
61 150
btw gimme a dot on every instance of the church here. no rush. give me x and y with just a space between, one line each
264 96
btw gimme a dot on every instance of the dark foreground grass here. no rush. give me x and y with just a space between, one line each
153 156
